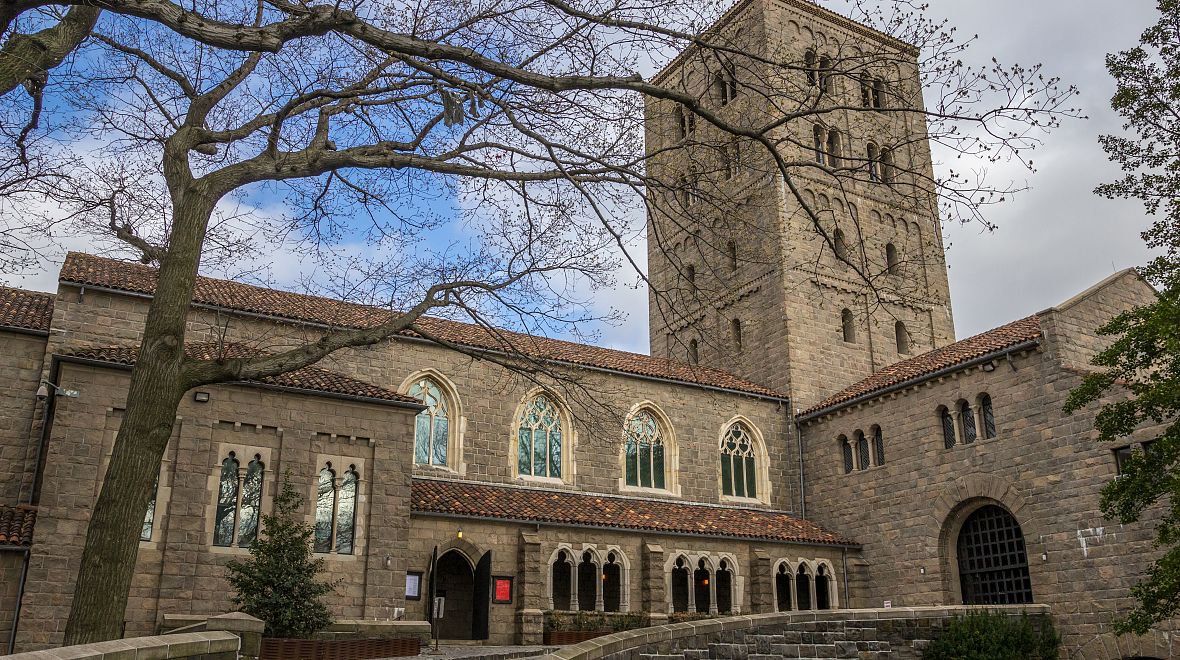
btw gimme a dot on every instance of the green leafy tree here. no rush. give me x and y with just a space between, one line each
1139 380
278 582
994 636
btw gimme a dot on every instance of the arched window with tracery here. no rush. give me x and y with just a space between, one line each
878 446
988 415
227 503
846 450
346 512
724 579
561 583
325 509
539 438
739 473
863 460
644 449
680 585
239 503
848 326
823 597
947 423
701 591
783 587
803 588
335 513
967 419
251 503
612 584
587 583
432 425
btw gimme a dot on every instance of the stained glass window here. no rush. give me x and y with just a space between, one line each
227 503
644 451
739 475
539 439
431 427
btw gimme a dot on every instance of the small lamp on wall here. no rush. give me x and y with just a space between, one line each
201 397
459 534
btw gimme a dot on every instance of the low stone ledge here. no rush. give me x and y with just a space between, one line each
170 647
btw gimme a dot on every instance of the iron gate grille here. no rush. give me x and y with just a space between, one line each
993 564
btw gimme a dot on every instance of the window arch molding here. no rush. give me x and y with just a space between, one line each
957 516
244 454
343 466
624 577
784 595
761 461
833 583
572 557
569 440
671 450
456 420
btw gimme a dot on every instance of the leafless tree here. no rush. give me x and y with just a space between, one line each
164 131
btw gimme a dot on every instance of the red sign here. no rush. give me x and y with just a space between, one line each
503 590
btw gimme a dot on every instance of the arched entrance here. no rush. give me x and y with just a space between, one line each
992 561
466 588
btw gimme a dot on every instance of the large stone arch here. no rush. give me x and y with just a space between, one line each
956 503
1108 646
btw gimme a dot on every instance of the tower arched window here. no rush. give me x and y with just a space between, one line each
878 446
888 167
732 255
694 355
967 419
947 422
810 65
539 439
879 94
825 74
846 450
725 84
819 136
645 451
561 581
432 425
988 415
833 148
863 460
612 584
690 277
803 588
848 325
903 338
686 122
891 260
866 91
735 333
739 467
874 162
839 245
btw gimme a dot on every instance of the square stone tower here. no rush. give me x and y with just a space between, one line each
812 266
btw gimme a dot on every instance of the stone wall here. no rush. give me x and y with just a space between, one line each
11 564
22 357
1043 466
179 571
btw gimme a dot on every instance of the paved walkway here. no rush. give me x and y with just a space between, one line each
474 652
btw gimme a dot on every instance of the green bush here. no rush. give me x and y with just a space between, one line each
995 636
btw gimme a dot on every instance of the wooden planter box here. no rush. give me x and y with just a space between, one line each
337 649
567 637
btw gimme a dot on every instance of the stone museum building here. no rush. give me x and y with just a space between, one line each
796 440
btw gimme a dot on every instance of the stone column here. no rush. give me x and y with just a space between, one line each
760 582
530 618
652 583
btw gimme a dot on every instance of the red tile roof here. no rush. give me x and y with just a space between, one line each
28 310
136 278
308 378
580 509
16 525
1005 336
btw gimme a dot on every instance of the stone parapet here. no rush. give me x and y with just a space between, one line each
210 645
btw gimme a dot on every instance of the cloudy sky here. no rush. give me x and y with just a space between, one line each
1054 240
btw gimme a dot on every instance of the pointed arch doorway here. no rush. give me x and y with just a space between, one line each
466 588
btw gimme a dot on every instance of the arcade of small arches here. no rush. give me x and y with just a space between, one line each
966 422
589 580
704 584
804 585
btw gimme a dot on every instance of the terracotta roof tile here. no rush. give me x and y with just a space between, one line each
16 525
565 508
307 378
1005 336
109 273
28 310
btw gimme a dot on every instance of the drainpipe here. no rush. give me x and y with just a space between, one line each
792 427
20 594
47 413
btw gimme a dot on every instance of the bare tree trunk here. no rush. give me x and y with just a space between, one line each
157 385
27 56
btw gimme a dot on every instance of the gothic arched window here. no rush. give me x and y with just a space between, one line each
823 598
782 588
701 591
431 426
644 451
739 474
848 325
947 422
539 449
227 503
803 588
989 416
612 584
680 585
561 581
724 579
732 254
587 583
967 419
